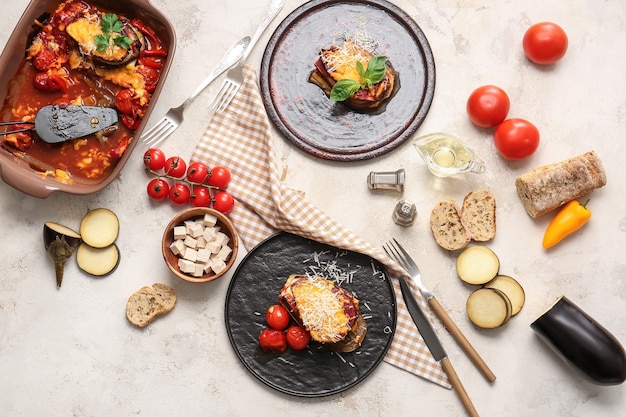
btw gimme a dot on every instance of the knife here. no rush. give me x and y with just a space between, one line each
435 347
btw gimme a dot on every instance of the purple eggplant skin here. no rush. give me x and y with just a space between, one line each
582 342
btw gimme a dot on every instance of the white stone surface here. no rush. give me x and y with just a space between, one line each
72 352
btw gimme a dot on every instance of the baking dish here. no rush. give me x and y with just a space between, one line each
17 172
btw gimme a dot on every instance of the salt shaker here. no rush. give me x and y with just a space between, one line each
404 214
391 180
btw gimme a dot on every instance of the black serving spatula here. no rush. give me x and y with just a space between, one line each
60 123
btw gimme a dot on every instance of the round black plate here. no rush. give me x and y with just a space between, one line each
304 114
315 371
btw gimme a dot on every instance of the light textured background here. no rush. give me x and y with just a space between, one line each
71 352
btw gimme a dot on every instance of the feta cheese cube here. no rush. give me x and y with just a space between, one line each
196 230
213 247
191 254
224 252
220 238
180 232
207 267
178 247
200 242
209 233
191 242
209 220
186 266
204 255
198 270
217 265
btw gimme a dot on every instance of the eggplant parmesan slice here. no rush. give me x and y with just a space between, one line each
330 313
340 63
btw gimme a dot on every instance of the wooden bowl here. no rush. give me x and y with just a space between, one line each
172 260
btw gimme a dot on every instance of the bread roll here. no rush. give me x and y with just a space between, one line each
548 187
447 227
478 214
148 303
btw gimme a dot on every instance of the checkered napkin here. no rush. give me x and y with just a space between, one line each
241 139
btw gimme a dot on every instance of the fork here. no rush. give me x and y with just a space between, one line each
174 117
234 76
397 253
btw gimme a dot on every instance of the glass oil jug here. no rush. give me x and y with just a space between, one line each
446 155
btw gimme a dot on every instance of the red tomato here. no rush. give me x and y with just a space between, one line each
220 177
488 106
277 317
545 43
175 167
200 197
272 340
197 172
516 139
297 338
179 193
124 102
223 202
154 159
158 189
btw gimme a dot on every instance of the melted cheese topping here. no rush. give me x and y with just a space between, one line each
321 310
341 61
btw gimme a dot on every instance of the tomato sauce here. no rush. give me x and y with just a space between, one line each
62 66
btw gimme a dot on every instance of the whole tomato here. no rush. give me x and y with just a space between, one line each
277 317
272 340
158 189
545 43
175 167
124 102
297 337
200 197
488 105
154 159
179 193
516 138
223 202
197 172
219 177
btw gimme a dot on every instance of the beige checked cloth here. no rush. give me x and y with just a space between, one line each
241 139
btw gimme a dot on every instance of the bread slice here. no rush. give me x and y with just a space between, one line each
148 303
478 214
447 226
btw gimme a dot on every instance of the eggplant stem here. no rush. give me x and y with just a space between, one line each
60 251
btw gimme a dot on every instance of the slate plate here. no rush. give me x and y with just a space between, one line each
304 114
315 371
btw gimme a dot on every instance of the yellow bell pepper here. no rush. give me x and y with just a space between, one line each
571 218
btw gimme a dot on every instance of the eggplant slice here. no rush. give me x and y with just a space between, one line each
98 262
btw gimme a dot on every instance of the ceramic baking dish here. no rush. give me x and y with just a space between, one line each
14 170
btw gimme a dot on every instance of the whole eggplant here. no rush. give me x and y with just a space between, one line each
582 342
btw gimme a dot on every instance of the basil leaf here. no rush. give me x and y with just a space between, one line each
343 89
360 70
376 70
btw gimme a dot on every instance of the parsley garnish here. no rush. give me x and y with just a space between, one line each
375 72
111 33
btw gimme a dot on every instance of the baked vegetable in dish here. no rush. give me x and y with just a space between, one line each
582 342
330 313
353 74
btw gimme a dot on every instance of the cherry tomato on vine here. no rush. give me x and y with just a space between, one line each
223 202
487 106
158 189
545 43
154 159
220 177
272 340
297 337
200 197
197 172
176 167
516 139
179 193
277 317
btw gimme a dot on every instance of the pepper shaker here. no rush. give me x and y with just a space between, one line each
390 180
404 214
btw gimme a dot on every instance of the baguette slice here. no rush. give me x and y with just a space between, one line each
447 226
478 214
148 303
548 187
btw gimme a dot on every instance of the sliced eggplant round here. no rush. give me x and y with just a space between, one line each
99 228
513 290
60 242
582 343
98 262
477 265
488 308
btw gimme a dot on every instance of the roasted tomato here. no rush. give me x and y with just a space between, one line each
272 340
50 83
297 337
277 317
